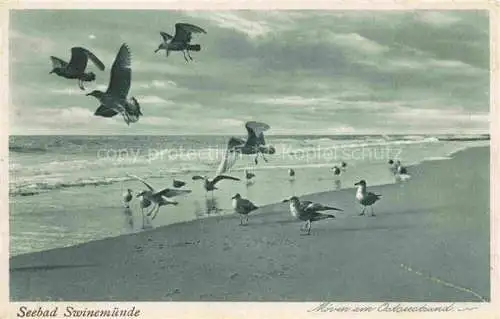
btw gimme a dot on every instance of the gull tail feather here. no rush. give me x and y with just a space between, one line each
194 47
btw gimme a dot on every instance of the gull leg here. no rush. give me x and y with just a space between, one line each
241 220
143 217
363 211
80 84
309 227
189 55
256 159
185 58
156 209
373 213
246 220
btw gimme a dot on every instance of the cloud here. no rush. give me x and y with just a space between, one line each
234 21
152 99
354 41
438 19
291 100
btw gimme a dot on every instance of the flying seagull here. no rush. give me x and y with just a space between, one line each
75 69
209 184
181 40
114 100
308 211
159 198
365 198
254 144
243 207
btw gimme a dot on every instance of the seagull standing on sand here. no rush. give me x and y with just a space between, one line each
400 168
209 184
249 175
178 184
365 198
254 144
114 100
127 197
181 40
343 165
308 211
159 198
336 170
243 207
392 167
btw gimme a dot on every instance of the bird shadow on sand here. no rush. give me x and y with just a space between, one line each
341 229
49 267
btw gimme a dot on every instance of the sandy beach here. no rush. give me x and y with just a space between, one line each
428 242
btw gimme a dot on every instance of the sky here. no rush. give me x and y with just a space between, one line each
301 72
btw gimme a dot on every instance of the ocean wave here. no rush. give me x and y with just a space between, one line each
36 188
362 144
26 149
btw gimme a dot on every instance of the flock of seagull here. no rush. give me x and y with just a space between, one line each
115 101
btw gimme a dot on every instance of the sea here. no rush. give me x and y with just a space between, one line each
67 190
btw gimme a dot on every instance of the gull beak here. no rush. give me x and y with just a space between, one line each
88 94
233 197
285 200
51 72
157 50
356 184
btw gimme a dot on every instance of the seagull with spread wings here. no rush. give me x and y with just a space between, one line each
180 41
209 184
308 211
254 144
158 198
114 100
75 69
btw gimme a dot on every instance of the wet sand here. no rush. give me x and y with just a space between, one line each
428 242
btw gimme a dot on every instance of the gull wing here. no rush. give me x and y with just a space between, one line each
221 177
58 63
247 205
165 36
230 157
98 63
318 208
183 32
105 111
198 177
79 59
169 192
119 82
256 132
143 181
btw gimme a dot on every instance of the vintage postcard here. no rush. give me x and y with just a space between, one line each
336 158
